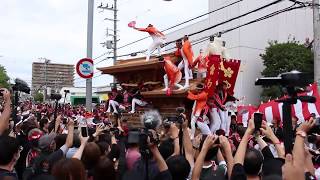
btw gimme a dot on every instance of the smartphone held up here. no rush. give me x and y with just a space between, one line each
257 117
84 131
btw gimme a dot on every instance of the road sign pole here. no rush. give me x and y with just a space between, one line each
316 40
89 54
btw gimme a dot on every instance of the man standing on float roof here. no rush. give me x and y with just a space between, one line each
158 39
185 64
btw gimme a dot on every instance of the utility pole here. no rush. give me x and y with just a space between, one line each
316 40
45 85
115 32
115 20
45 80
89 54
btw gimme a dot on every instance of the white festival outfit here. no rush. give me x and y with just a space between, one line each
219 116
157 37
137 100
158 41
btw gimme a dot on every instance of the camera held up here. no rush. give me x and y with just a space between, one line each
290 81
55 96
151 121
174 119
21 86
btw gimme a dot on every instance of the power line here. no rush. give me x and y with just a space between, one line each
235 18
101 55
214 26
123 55
102 59
306 4
194 42
290 8
174 26
202 39
184 22
223 7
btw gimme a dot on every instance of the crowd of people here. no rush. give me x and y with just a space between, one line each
72 144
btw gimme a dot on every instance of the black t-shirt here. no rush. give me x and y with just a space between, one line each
238 172
44 176
45 161
271 165
119 98
21 163
5 174
114 152
55 156
136 94
164 175
134 175
139 171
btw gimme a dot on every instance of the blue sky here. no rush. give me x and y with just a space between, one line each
56 29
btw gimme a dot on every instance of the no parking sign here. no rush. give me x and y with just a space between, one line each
84 68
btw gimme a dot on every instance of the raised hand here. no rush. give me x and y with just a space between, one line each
290 170
266 130
251 126
173 131
209 142
224 143
99 129
307 125
6 94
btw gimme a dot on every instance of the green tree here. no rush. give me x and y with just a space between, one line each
38 97
283 57
4 78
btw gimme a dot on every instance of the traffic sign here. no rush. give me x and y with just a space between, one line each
84 68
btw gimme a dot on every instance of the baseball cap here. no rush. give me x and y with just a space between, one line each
46 140
35 134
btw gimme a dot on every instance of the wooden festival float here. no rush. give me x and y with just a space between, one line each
131 72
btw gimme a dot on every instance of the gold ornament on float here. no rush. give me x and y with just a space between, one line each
228 84
212 68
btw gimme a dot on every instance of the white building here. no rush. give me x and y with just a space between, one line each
248 42
77 95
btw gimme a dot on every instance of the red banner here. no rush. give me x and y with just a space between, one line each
229 73
213 68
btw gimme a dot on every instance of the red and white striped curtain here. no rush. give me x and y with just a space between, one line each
273 110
